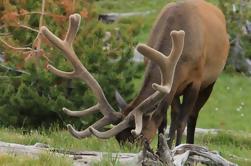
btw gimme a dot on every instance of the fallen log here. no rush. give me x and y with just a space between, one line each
180 155
83 158
205 131
112 17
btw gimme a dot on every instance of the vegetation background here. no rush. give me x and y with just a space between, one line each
32 98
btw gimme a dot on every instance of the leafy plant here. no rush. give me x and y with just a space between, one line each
36 98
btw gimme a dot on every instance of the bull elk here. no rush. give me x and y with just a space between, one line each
178 65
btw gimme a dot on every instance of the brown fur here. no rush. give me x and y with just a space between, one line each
204 56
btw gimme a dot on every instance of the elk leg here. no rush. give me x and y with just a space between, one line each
163 113
192 120
175 110
189 99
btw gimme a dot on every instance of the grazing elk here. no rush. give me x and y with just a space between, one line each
178 65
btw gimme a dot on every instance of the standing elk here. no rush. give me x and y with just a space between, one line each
178 65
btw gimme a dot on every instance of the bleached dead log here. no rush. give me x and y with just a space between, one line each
199 154
30 150
112 17
177 157
83 158
204 131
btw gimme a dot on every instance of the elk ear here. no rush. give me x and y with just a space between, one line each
122 104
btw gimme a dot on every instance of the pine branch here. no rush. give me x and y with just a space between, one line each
15 48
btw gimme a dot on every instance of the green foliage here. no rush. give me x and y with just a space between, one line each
236 21
32 100
36 99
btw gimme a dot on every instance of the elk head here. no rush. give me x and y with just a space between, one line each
133 121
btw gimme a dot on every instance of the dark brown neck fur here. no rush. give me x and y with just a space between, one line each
152 75
161 41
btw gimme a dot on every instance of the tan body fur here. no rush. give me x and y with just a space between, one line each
204 56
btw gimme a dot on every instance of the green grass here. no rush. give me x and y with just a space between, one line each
62 139
227 143
154 6
42 160
146 22
106 6
228 108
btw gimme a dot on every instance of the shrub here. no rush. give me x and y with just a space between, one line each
36 98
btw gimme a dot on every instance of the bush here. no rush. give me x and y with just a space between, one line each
35 99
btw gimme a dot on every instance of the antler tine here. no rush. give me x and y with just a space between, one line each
112 132
86 133
65 46
136 114
80 72
143 108
167 64
138 118
91 110
78 134
167 67
74 24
